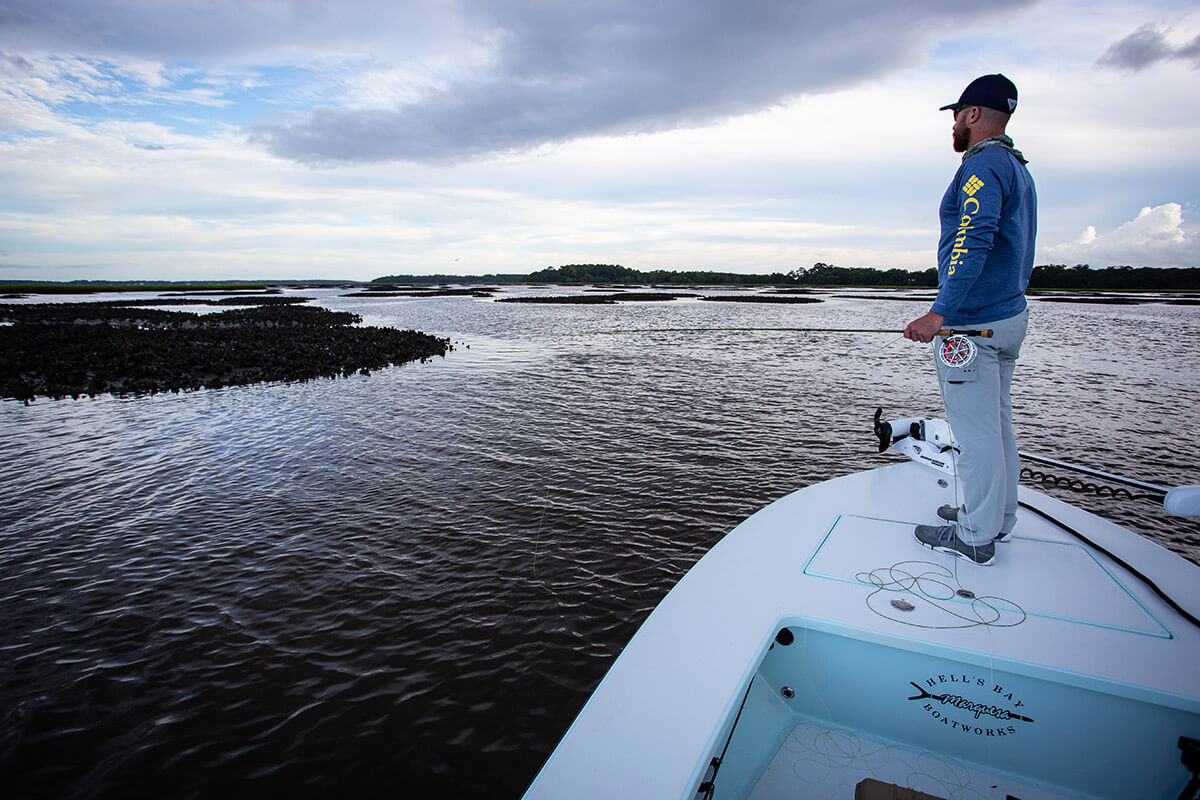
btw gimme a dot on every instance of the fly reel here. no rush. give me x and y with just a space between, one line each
957 351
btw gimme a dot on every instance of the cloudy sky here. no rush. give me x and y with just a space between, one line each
205 139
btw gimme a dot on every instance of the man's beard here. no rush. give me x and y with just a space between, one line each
962 139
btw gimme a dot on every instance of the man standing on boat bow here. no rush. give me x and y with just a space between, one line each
985 258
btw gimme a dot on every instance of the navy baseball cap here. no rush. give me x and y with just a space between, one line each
989 91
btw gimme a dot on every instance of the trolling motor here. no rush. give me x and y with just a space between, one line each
927 441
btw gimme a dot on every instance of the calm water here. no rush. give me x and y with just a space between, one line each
407 584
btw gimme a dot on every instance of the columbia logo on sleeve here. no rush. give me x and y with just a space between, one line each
972 185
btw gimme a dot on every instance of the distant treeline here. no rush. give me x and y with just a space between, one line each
1081 276
439 280
1050 276
821 274
614 273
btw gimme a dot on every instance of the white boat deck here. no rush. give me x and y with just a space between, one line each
830 559
1028 582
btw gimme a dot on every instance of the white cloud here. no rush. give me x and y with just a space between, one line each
1087 237
1157 236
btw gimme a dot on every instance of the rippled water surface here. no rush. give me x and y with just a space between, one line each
407 583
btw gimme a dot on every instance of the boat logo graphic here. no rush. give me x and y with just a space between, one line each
969 706
917 449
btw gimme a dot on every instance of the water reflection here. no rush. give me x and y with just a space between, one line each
414 578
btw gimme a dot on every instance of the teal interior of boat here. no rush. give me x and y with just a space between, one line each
824 712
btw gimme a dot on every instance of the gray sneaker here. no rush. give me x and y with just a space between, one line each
945 540
950 514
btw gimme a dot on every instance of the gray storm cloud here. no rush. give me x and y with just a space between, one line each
567 70
555 69
248 31
1146 46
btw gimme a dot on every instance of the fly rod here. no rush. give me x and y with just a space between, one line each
985 333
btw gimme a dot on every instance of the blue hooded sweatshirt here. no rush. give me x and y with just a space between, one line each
989 223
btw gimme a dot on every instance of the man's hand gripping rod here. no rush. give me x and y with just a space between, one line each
985 333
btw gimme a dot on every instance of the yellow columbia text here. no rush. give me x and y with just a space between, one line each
970 207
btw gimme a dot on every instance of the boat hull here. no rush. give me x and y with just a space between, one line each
1055 673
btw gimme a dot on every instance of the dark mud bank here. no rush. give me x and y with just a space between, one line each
60 350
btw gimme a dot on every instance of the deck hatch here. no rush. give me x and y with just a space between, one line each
1029 578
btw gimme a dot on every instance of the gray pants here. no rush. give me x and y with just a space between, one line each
979 406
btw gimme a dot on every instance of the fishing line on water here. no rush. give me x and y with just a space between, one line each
868 352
